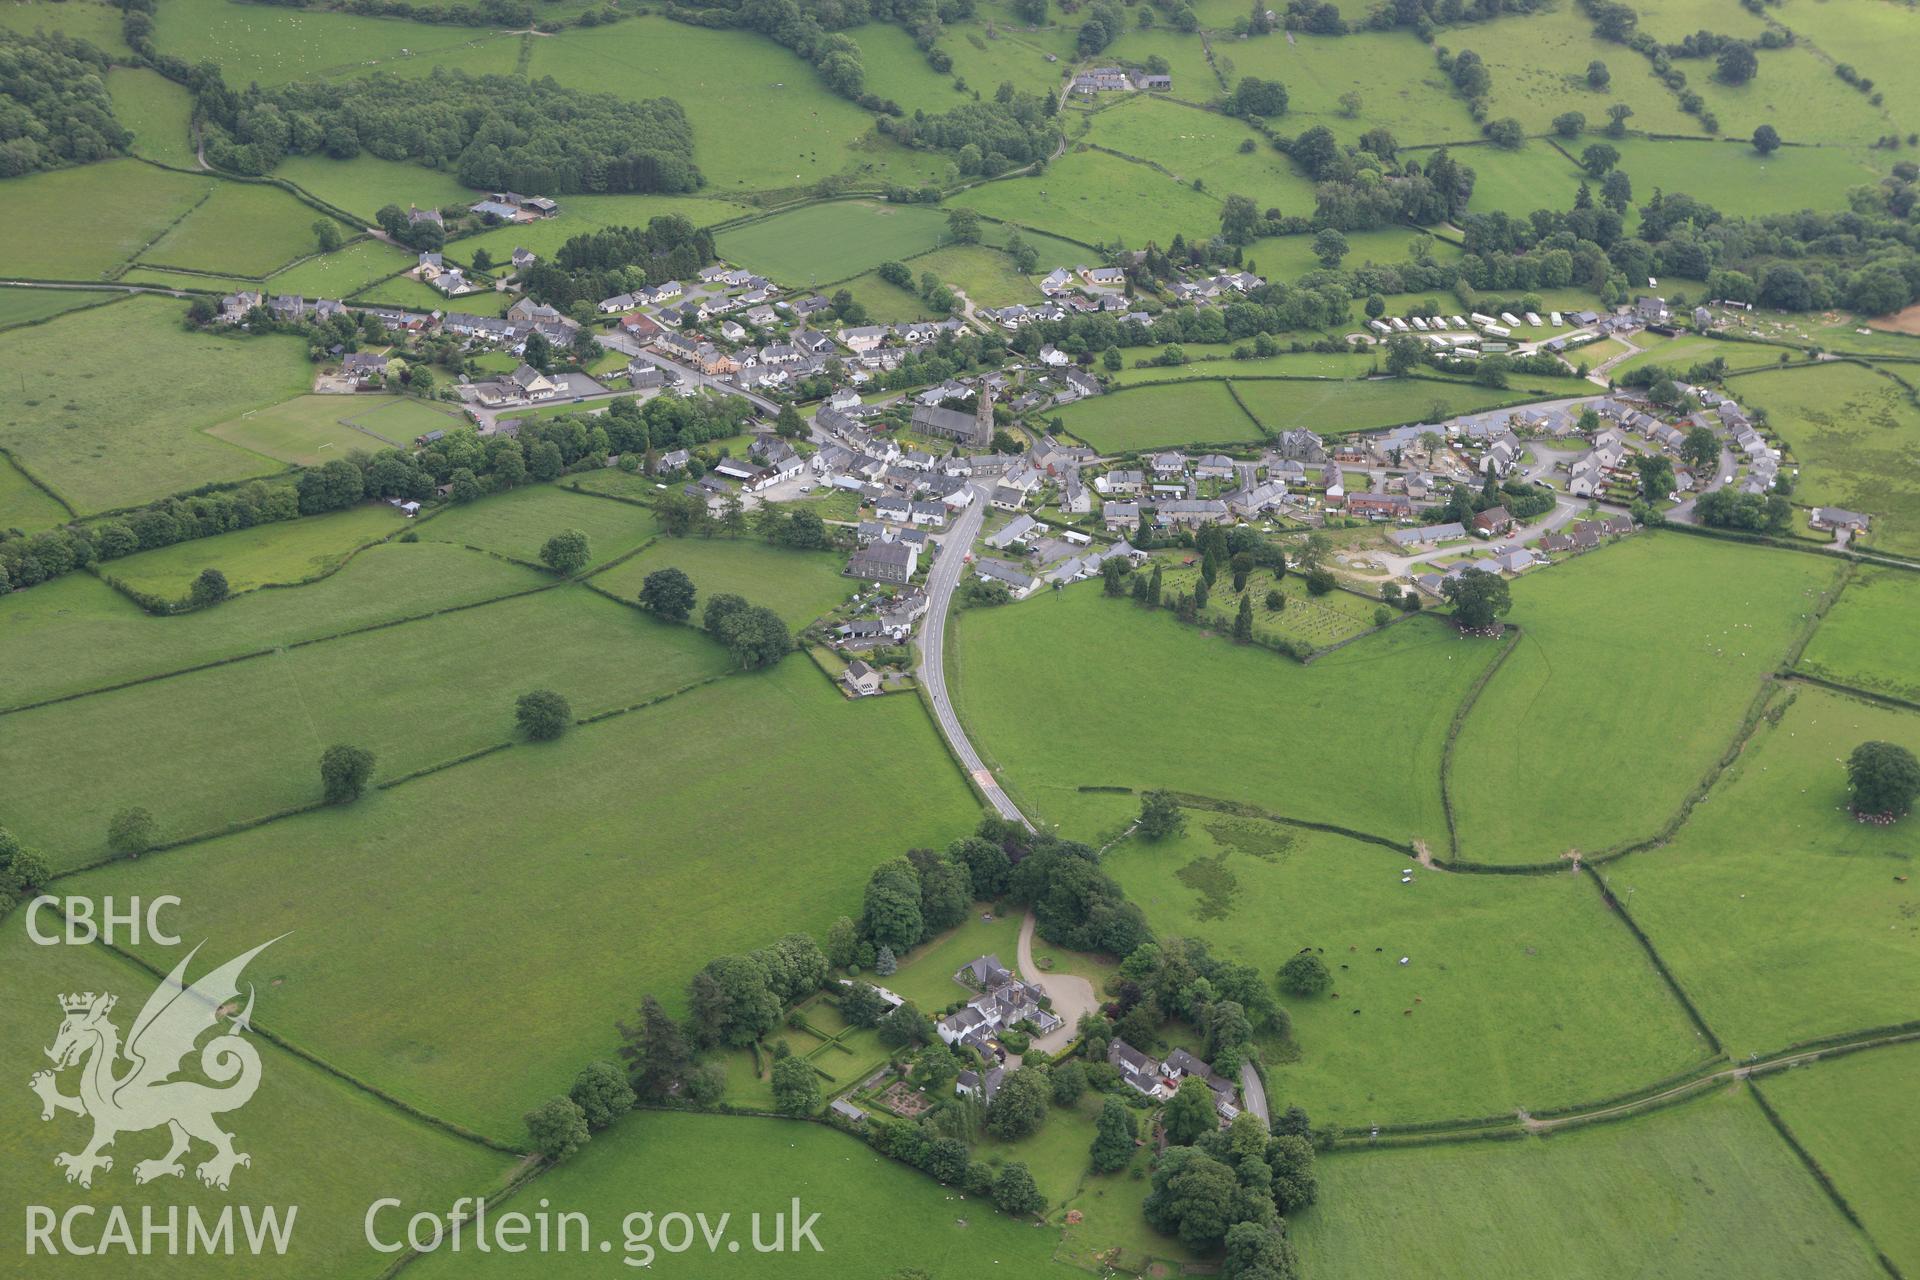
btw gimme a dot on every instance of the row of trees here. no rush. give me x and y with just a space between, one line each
494 132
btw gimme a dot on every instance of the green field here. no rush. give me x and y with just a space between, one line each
1797 93
1851 430
1315 621
260 725
1852 1115
1699 1190
1538 66
1864 640
1290 257
106 432
882 1213
1188 413
79 224
1251 726
89 20
1097 198
1221 365
1401 87
797 585
1731 175
308 430
638 828
308 1132
1199 144
27 306
336 275
1782 917
821 243
366 183
1571 696
519 523
23 504
1868 34
1537 176
1333 407
274 46
1493 1011
292 551
76 633
157 111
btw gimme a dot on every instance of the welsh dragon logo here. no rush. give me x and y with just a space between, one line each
143 1093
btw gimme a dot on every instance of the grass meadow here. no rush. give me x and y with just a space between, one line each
1202 412
1782 917
1333 408
346 271
23 504
274 46
870 1208
1290 257
1851 430
1538 66
1635 665
1865 639
1494 1011
1868 34
309 1133
106 432
1732 175
821 243
1797 93
1537 176
1853 1116
1094 198
20 306
1215 360
91 20
81 223
1133 698
519 523
157 111
1201 144
1401 87
366 183
309 430
1702 1189
797 585
638 831
265 555
76 633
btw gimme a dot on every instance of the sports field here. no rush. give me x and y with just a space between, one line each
1493 1010
1782 917
1252 726
1864 640
106 432
1852 1116
1850 429
1686 1192
309 1133
555 844
1201 412
1561 750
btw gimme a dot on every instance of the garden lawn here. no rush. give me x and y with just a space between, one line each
245 228
76 633
81 223
1866 638
343 272
157 111
1610 711
1853 1115
1093 197
1335 407
797 585
1147 702
926 975
23 504
885 1214
309 430
414 695
282 554
1494 1011
308 1132
638 829
1782 917
1855 434
1707 1188
519 522
1200 412
821 243
119 420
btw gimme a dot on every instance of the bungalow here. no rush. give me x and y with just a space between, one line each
1057 281
1837 519
1427 535
861 680
1018 583
883 562
1104 277
1556 543
524 258
1017 531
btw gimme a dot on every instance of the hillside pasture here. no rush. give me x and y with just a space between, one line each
156 109
1732 176
309 430
1497 981
1290 257
1796 92
820 243
558 843
518 523
94 21
1094 197
1782 917
344 272
1853 432
1864 641
797 585
1537 176
267 554
20 306
1214 718
1681 1192
23 504
1333 407
260 725
1852 1116
1200 412
81 223
366 183
1401 87
1537 63
276 45
308 1131
1218 362
1589 679
1868 35
1202 144
76 633
109 431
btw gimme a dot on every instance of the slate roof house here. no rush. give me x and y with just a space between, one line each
883 562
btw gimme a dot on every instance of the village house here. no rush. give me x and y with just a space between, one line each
1019 584
1837 519
363 368
1493 522
892 562
860 679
